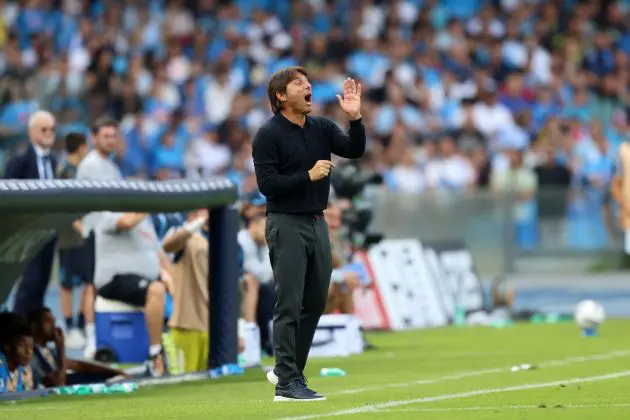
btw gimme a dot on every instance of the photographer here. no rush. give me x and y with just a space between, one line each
343 282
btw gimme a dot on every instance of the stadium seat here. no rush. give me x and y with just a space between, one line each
121 333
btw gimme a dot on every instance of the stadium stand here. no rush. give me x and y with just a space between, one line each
461 95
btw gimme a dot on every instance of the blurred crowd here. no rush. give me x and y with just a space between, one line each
459 95
507 94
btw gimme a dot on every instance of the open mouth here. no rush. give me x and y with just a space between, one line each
307 98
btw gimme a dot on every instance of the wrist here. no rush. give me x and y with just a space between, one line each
355 117
194 225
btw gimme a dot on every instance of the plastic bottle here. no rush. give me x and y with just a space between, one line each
460 315
91 389
94 389
332 372
123 388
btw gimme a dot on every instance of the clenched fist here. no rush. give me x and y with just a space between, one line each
320 170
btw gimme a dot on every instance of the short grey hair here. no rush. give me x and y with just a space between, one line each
39 115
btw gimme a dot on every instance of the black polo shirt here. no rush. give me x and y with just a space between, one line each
284 152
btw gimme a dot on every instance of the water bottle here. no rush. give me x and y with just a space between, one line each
332 372
90 389
123 388
460 315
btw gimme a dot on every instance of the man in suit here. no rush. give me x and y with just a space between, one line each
35 163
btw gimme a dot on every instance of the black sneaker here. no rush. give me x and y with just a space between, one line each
297 391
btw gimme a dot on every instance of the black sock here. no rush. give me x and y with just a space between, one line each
69 323
81 322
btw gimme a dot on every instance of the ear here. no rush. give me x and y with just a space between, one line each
282 96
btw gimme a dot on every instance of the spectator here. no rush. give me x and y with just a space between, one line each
16 352
423 62
521 181
74 257
51 367
489 115
131 268
189 321
408 176
97 165
451 170
209 157
259 277
551 173
36 163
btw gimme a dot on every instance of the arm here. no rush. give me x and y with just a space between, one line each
353 145
91 367
112 222
58 377
350 146
77 225
13 169
128 221
261 270
175 241
270 182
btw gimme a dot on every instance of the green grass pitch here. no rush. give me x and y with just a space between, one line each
449 373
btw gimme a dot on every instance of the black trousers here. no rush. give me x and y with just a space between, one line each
264 314
299 249
32 288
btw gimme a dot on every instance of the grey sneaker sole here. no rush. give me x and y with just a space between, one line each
279 398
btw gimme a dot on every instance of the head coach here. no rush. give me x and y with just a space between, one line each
292 153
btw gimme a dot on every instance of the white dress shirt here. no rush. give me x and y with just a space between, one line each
44 163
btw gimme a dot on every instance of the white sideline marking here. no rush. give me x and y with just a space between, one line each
525 387
470 374
499 408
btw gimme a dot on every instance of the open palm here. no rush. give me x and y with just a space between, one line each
351 101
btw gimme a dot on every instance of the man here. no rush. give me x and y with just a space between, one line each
258 277
620 191
97 165
74 256
16 352
131 268
36 163
50 367
292 154
343 282
189 321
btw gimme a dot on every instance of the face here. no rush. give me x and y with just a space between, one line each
48 326
447 146
24 350
106 139
42 131
83 150
298 96
333 217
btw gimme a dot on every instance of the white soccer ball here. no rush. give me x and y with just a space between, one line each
589 314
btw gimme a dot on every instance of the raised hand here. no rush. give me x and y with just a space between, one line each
351 101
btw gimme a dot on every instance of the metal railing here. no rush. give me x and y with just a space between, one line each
498 227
